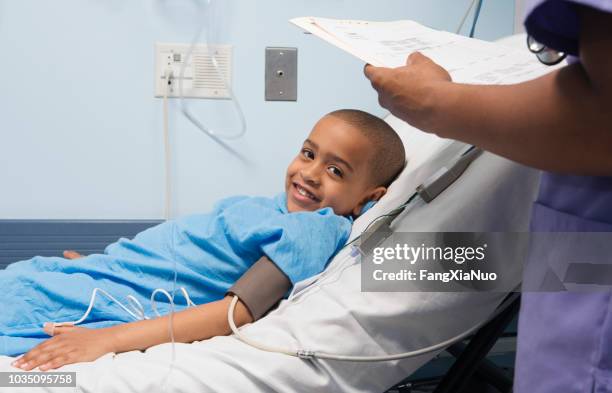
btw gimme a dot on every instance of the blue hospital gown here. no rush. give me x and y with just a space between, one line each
211 251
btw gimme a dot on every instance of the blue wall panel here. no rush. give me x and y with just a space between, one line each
23 239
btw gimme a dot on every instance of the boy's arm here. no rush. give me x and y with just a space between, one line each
262 286
73 345
193 324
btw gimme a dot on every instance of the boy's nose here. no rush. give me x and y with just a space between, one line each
310 175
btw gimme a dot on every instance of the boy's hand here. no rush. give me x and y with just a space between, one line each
69 345
71 254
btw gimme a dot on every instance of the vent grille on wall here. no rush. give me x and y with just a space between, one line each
206 75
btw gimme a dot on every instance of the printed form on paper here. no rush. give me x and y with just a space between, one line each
388 44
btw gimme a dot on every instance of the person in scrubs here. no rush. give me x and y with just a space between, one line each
560 123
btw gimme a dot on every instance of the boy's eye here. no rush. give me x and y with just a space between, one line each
335 171
308 154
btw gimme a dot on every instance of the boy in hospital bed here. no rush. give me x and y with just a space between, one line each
348 160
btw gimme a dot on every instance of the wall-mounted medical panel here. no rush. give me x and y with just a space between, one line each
207 71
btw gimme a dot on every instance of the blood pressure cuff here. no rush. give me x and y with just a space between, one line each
261 287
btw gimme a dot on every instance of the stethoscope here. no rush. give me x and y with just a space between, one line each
545 54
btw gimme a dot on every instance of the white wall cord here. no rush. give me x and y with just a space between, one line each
167 161
216 136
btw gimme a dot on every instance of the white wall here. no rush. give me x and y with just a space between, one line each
80 131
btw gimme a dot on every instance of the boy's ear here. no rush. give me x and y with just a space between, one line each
377 193
373 195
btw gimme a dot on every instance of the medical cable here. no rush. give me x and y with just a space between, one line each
171 314
136 310
134 307
301 353
216 136
168 196
138 314
460 164
267 348
467 12
427 191
476 15
310 354
332 272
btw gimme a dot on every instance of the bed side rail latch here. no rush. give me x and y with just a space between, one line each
443 178
375 234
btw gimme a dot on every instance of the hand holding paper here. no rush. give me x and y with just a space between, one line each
415 82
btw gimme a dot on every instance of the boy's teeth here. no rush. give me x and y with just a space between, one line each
305 193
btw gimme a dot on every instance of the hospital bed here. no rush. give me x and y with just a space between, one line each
329 312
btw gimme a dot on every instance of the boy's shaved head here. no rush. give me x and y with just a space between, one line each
388 149
348 159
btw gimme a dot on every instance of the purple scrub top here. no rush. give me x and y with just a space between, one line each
565 338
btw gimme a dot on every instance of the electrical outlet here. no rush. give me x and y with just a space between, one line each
201 78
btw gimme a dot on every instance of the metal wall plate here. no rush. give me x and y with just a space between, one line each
281 74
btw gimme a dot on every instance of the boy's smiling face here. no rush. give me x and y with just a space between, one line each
331 170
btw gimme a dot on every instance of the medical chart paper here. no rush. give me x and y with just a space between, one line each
388 44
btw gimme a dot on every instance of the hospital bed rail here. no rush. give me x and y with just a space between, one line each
380 228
